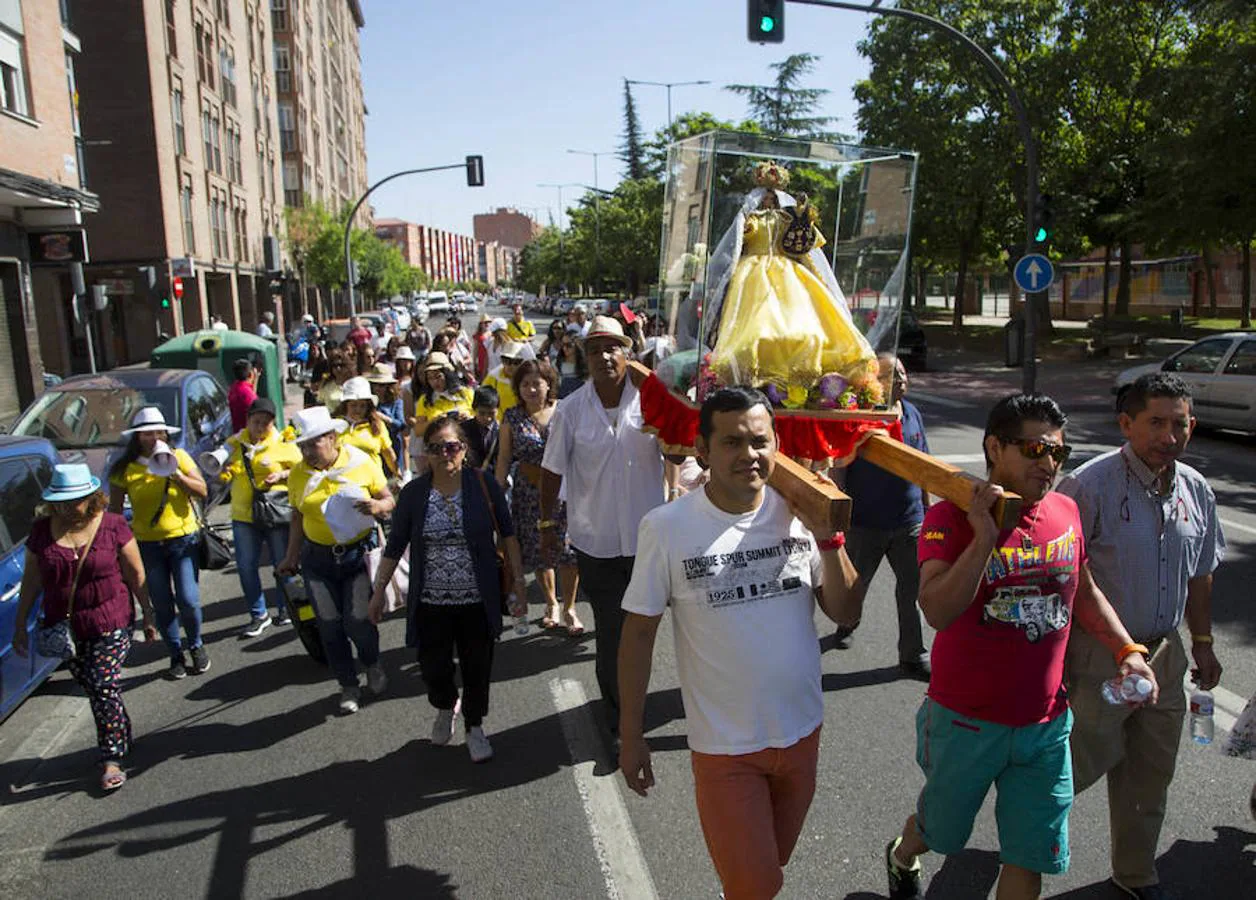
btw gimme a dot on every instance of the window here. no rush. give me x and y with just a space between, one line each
205 54
218 225
283 69
176 113
172 43
215 130
207 136
279 19
19 495
241 234
1203 358
71 85
226 71
232 157
238 143
185 206
204 406
12 76
287 128
291 184
223 8
1243 362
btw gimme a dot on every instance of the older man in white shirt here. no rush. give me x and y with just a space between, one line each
612 472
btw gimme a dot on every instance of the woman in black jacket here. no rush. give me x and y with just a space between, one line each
446 518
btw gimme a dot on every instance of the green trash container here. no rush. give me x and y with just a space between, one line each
215 351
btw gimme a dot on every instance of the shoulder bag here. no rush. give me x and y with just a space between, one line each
270 508
56 641
505 580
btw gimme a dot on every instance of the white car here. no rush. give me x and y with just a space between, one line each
1221 373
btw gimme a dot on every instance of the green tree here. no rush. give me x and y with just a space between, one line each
540 263
631 150
303 226
785 107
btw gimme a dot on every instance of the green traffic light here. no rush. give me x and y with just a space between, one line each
767 24
1040 235
165 302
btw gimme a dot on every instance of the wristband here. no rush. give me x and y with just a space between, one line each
545 524
836 542
1131 648
1201 638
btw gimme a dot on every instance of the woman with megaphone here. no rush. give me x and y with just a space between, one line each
257 467
162 485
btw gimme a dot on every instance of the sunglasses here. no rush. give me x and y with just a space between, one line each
1037 449
445 448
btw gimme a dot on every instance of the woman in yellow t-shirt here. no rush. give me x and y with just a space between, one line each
438 391
367 429
260 460
328 542
162 486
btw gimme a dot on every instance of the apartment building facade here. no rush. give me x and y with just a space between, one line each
179 112
43 199
443 255
506 226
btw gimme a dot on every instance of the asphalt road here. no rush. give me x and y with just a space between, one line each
245 782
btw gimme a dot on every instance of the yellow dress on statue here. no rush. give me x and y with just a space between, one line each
779 323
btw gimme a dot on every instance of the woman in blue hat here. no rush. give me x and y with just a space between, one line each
86 562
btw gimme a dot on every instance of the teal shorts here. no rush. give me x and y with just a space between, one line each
1030 767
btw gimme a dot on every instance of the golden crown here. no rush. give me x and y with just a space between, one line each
771 175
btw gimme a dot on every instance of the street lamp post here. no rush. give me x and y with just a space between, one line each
669 85
597 214
562 253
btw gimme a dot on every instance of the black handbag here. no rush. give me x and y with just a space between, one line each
214 551
270 508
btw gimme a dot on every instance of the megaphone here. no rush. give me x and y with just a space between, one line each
162 463
213 461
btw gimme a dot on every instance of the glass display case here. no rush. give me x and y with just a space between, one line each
783 266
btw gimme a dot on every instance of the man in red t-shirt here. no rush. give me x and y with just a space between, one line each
359 334
242 393
996 713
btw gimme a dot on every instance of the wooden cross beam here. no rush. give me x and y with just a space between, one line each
810 491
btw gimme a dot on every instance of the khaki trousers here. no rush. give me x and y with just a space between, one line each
1136 747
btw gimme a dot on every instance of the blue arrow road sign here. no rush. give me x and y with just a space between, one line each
1033 272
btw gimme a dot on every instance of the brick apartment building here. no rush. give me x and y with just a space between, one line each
178 114
43 197
506 226
443 255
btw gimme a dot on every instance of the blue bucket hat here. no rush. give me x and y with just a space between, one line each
70 481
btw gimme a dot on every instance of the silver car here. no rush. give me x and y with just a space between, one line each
1221 373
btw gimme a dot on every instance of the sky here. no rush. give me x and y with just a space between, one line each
523 82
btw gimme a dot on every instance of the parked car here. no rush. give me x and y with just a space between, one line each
25 470
84 416
437 302
1221 373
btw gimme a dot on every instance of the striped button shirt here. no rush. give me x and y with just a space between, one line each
1143 546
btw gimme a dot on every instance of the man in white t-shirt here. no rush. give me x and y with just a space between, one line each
742 575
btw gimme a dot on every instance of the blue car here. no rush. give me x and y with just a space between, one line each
84 416
25 470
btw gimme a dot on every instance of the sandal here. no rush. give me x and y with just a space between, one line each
575 627
112 778
549 621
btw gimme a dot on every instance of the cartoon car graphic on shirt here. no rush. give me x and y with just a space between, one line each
1026 607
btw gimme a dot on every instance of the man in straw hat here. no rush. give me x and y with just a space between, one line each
612 472
336 492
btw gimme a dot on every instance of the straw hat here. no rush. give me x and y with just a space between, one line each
437 360
606 327
356 388
149 419
70 481
315 422
518 350
382 373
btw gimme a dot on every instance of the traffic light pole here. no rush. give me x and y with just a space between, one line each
353 311
1029 371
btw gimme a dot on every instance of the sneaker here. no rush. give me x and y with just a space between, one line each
1146 892
200 660
376 680
177 668
281 618
904 883
349 697
481 750
919 669
257 625
443 727
844 636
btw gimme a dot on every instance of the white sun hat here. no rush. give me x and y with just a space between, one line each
149 418
316 422
356 388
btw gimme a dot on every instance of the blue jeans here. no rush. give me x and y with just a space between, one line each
168 561
340 593
249 540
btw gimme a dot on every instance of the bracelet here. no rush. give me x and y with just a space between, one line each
546 524
836 542
1201 638
1131 648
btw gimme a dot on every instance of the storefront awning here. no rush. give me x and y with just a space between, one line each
28 192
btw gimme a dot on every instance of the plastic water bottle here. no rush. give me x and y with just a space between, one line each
1132 688
521 620
1201 716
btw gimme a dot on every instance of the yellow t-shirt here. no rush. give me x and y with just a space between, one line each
377 446
145 490
520 331
442 404
505 392
352 466
271 454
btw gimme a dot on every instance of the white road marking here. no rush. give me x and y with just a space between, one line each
615 841
940 401
1238 526
1226 706
960 459
41 743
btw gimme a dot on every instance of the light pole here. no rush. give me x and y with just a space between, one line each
597 215
562 253
669 85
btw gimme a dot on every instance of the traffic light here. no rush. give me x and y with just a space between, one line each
165 302
765 21
1044 219
475 171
